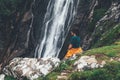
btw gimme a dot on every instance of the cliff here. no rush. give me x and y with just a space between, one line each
15 20
97 20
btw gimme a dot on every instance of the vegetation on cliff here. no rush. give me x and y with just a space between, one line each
109 36
105 44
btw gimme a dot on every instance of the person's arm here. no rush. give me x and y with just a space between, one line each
70 46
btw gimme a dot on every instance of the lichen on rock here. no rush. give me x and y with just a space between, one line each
31 68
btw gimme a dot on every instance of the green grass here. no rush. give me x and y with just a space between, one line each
64 65
50 76
107 73
110 51
97 74
105 52
61 67
111 71
9 78
117 42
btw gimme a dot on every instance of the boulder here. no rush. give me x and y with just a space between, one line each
31 68
2 76
87 62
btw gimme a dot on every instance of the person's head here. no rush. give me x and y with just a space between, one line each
75 31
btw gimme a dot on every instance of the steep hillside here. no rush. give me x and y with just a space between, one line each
108 55
102 27
97 20
94 64
99 25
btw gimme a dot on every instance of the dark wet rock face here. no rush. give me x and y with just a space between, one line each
91 18
14 27
91 21
19 31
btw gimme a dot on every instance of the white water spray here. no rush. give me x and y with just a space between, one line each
57 20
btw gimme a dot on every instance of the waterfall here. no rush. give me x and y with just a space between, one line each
57 21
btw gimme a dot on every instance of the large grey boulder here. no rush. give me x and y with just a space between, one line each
87 62
2 76
31 68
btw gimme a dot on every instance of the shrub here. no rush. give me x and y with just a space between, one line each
97 15
97 74
65 65
117 76
113 67
50 76
61 67
9 78
7 7
111 71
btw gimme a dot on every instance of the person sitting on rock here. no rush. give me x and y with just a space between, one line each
74 46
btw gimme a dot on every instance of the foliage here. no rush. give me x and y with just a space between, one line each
7 7
110 51
117 42
63 66
50 76
9 78
12 78
110 72
113 68
97 74
97 15
70 62
109 36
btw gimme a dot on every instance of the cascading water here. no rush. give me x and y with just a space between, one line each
57 21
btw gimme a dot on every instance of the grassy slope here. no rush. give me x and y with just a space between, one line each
110 51
109 72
